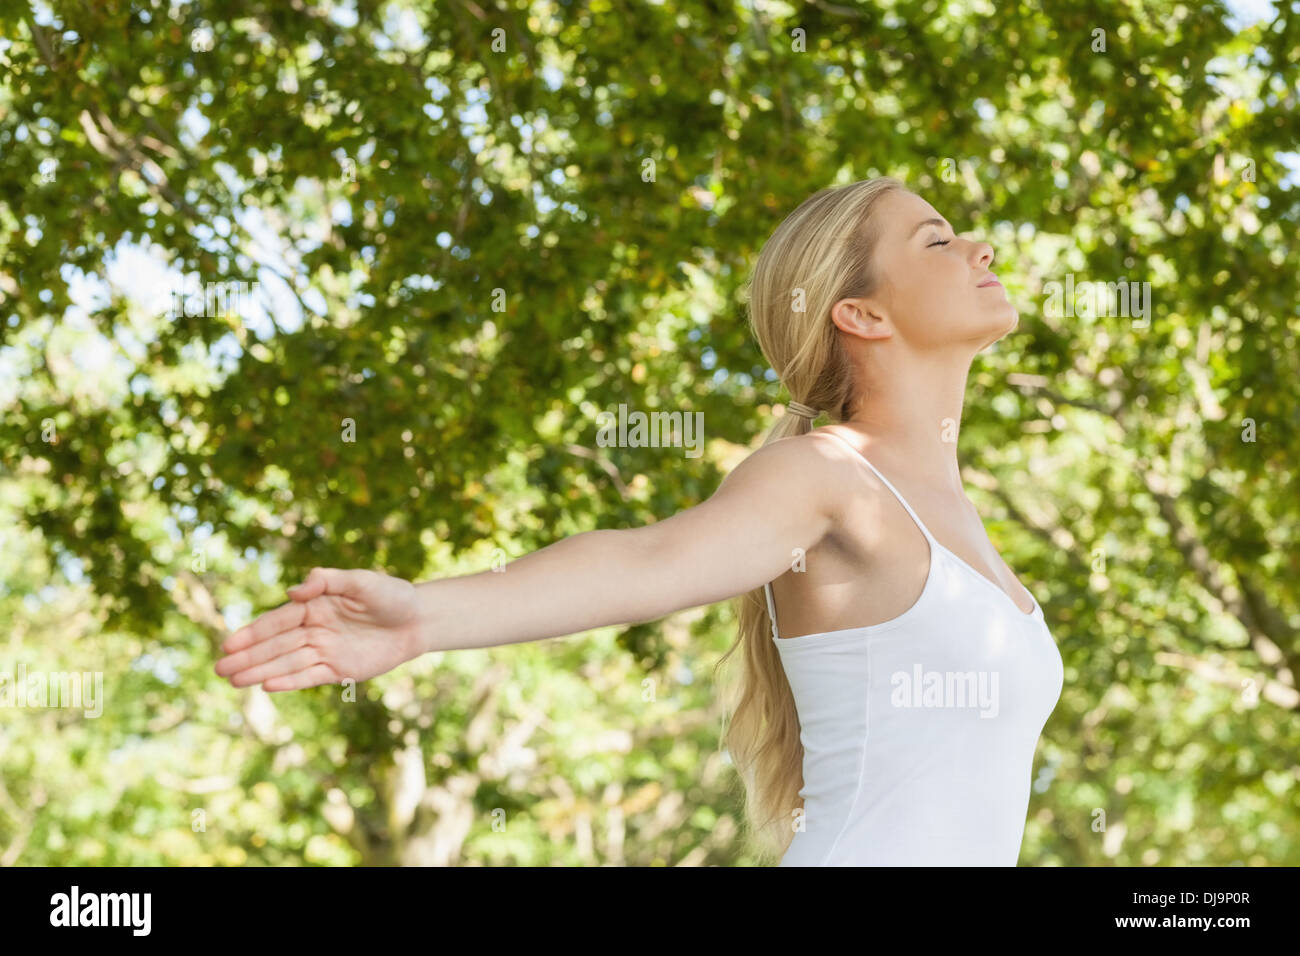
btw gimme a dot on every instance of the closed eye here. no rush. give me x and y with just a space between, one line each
939 243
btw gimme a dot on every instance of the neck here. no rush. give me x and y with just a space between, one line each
914 410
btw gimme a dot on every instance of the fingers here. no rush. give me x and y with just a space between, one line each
283 618
273 650
290 663
309 677
309 588
321 581
259 653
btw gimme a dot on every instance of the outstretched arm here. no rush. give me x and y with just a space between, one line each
739 539
354 623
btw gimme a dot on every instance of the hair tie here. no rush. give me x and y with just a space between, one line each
802 410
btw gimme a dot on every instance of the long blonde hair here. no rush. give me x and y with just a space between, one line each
821 253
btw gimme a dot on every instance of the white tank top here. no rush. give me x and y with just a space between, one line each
919 733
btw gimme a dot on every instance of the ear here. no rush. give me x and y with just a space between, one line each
861 317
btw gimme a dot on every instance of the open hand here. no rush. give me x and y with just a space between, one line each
339 624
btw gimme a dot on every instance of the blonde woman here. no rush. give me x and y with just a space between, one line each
895 673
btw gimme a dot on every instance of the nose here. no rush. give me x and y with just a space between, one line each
983 254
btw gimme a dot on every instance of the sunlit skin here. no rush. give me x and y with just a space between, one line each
913 341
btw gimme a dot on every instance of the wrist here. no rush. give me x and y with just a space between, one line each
429 632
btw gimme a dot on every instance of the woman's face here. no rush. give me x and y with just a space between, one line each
930 290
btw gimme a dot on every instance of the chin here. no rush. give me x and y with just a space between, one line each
1003 330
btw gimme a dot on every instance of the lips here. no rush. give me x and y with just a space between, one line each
991 280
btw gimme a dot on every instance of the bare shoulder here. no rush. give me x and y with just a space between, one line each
861 496
815 454
818 465
817 480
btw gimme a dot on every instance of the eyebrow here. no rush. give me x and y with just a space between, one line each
927 222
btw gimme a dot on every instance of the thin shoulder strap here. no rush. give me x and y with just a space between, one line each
890 485
771 608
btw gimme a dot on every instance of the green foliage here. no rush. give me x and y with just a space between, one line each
165 475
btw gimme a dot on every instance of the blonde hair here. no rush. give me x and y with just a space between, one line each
821 253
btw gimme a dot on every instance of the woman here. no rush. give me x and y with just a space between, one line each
891 717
